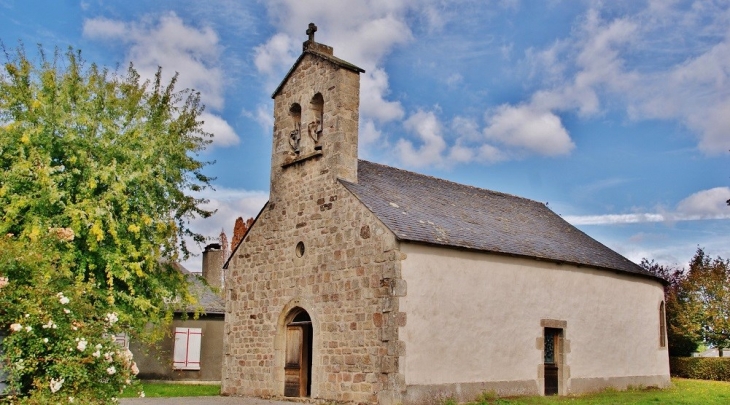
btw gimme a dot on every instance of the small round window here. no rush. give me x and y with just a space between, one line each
300 249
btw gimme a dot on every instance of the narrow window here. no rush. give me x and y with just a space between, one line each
187 349
662 326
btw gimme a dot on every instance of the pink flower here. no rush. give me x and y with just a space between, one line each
4 282
16 327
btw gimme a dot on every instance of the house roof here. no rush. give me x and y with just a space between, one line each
208 300
311 51
419 208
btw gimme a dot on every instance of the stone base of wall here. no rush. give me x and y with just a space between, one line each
582 385
465 392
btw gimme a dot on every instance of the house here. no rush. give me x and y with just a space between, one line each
363 283
192 351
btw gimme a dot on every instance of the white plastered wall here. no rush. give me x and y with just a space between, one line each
474 317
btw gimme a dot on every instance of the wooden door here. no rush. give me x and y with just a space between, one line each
294 366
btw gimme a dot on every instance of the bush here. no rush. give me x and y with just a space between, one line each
701 368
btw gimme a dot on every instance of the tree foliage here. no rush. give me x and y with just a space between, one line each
697 303
111 160
682 336
708 301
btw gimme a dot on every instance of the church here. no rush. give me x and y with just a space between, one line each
367 284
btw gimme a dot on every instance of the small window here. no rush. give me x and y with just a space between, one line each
187 349
662 326
300 249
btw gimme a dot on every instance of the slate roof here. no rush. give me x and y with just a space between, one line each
208 300
426 209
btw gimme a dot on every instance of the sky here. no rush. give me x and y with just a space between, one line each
614 113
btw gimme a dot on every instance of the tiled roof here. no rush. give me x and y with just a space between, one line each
425 209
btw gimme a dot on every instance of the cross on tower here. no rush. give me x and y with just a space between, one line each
310 31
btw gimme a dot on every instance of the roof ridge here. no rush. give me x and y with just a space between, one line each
452 182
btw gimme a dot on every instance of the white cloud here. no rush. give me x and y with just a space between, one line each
703 205
374 87
361 32
262 116
168 42
223 134
632 61
694 93
277 53
230 204
706 204
427 128
368 133
524 128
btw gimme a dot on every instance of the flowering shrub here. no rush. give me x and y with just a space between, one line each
60 346
96 214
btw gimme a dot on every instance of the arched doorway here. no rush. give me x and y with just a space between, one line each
298 361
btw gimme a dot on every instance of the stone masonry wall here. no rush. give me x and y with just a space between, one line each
348 278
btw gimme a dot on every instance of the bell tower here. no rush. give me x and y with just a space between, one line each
316 114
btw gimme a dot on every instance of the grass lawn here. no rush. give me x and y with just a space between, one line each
159 390
683 392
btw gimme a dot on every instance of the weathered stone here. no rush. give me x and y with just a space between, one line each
335 280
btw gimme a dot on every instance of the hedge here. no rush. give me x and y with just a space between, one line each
701 368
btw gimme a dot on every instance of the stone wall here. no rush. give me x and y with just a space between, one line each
347 278
343 281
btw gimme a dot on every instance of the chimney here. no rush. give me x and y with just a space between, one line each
213 265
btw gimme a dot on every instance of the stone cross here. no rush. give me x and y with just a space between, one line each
310 31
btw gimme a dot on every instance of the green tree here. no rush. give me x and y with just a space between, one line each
96 174
708 286
683 335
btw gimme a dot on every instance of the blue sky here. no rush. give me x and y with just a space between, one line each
615 113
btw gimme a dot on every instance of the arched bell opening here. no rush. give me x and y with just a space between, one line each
298 357
295 112
315 127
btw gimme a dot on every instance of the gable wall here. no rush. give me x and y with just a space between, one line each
343 281
475 322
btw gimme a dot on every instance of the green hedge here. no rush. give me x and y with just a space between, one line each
701 368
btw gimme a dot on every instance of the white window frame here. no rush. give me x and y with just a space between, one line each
186 354
122 339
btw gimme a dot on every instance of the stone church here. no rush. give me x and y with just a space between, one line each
363 283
